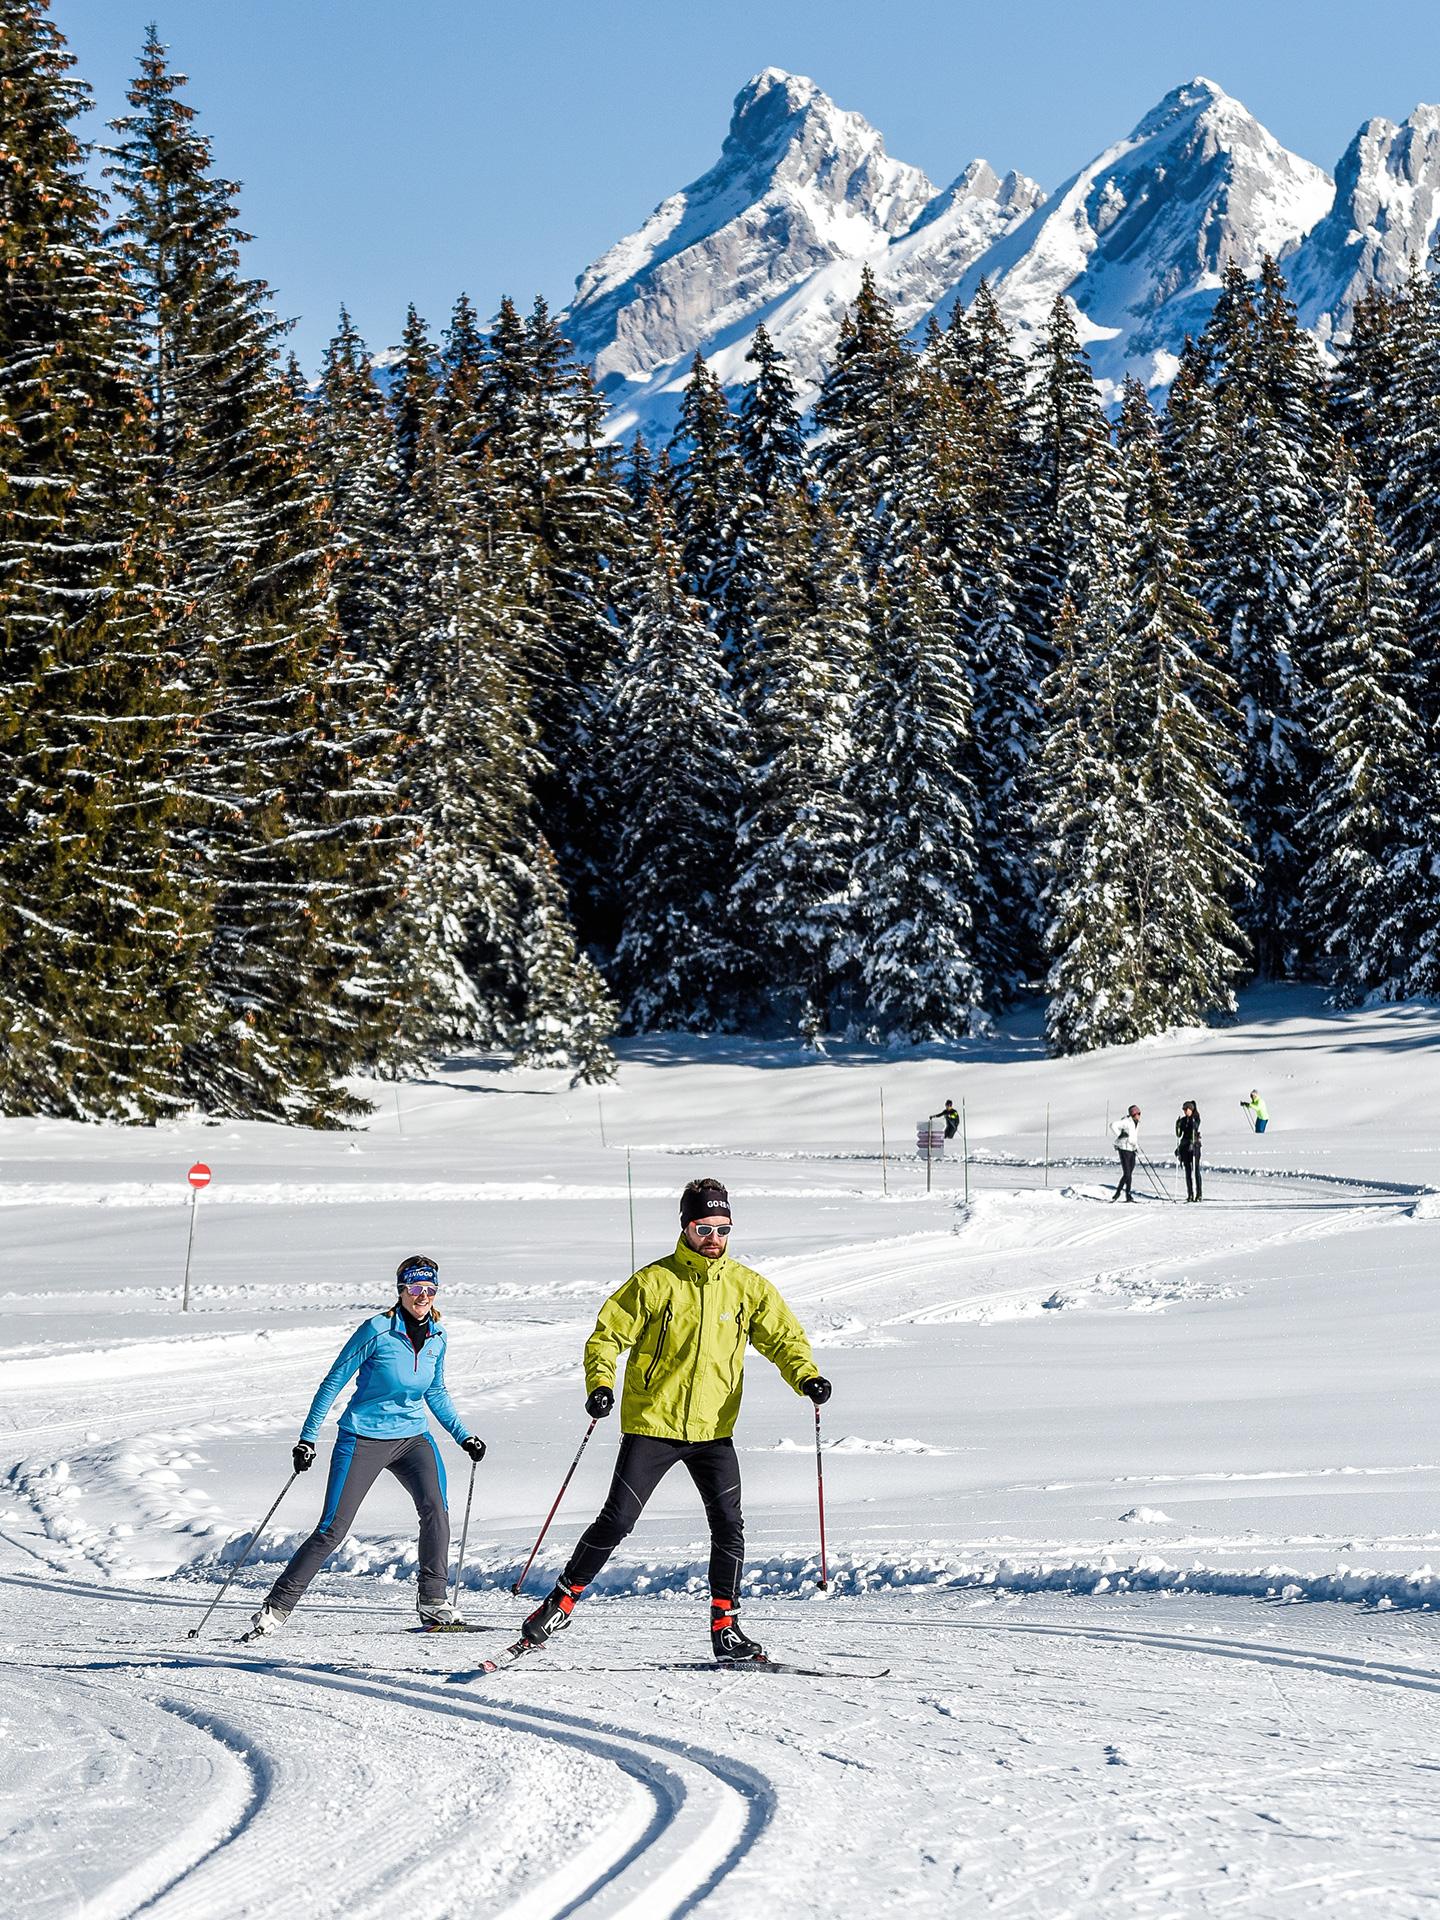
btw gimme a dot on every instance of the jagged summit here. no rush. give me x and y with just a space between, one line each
1139 239
804 196
1385 214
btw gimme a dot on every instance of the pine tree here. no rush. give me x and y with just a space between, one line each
670 731
794 895
568 1015
917 866
1263 510
470 746
101 926
1372 834
1189 856
1405 454
357 447
865 414
771 444
706 494
1087 827
292 803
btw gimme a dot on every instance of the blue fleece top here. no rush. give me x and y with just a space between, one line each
397 1381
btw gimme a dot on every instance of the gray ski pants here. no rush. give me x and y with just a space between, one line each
355 1466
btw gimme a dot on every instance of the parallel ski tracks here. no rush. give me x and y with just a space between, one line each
698 1811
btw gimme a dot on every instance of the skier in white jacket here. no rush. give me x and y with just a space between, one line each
1127 1142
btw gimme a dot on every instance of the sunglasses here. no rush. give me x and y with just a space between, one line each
711 1233
421 1289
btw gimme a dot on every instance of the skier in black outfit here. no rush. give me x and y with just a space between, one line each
950 1114
1187 1149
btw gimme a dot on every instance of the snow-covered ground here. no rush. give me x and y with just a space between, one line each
1137 1504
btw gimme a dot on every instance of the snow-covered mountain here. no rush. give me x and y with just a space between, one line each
777 233
1139 239
1385 212
804 197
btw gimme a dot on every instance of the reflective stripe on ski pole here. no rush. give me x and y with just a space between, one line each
194 1633
558 1498
820 1490
464 1534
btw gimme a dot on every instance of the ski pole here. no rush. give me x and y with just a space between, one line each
1153 1171
194 1633
464 1533
553 1511
820 1490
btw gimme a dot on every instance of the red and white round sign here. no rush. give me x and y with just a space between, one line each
199 1175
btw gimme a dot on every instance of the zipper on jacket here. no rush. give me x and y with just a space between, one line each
659 1346
702 1281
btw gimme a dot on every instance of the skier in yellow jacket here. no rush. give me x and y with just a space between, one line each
684 1322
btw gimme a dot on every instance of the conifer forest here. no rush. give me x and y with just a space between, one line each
351 721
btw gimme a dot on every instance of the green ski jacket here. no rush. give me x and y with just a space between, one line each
685 1322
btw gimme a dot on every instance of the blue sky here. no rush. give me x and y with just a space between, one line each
397 150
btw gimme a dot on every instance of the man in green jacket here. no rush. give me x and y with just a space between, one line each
685 1322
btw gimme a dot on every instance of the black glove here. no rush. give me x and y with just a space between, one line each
599 1403
303 1454
474 1446
819 1390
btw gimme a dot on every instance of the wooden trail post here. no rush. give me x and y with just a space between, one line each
1047 1143
884 1170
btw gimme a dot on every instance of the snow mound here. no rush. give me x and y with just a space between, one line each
1146 1517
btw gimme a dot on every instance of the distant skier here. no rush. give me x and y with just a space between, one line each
399 1357
1187 1149
684 1322
950 1114
1258 1112
1127 1142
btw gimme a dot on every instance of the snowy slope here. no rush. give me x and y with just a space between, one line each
1136 1503
776 233
1384 216
1138 239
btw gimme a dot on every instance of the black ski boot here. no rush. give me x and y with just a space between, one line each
552 1614
730 1646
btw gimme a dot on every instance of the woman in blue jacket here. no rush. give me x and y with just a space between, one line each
397 1360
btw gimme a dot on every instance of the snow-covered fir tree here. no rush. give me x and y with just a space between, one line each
1263 510
864 416
1190 863
795 892
101 924
915 921
293 805
1372 832
671 734
568 1014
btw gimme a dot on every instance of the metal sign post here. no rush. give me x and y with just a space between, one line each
198 1176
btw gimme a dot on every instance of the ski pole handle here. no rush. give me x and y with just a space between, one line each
194 1633
820 1490
464 1534
555 1509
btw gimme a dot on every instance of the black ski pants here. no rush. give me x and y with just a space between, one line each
355 1466
1127 1173
1193 1182
641 1464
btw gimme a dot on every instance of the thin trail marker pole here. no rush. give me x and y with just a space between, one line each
464 1534
927 1155
884 1169
194 1633
1047 1143
820 1494
600 1102
630 1192
399 1117
558 1498
198 1176
965 1150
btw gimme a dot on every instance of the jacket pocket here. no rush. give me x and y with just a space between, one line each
659 1346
